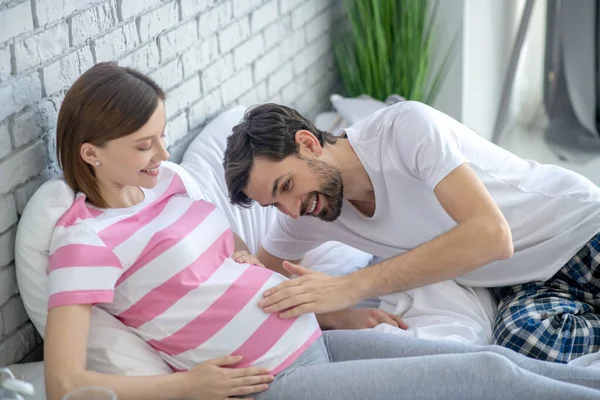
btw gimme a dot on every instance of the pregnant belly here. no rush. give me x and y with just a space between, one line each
220 316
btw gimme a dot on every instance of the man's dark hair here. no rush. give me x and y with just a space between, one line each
267 131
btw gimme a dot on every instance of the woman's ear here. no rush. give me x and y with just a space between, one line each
89 154
308 143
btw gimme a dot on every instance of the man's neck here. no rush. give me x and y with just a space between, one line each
357 184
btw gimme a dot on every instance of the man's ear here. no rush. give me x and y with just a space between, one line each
308 144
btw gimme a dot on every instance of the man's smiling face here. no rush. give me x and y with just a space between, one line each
297 186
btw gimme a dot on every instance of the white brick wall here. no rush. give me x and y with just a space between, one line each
92 22
5 65
20 12
208 55
41 47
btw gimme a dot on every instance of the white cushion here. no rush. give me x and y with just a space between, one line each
353 109
204 161
112 347
33 373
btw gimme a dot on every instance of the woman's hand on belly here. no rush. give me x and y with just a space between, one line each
244 257
217 380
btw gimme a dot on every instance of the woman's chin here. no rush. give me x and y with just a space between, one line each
147 181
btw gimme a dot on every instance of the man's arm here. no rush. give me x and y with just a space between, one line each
350 318
272 262
482 235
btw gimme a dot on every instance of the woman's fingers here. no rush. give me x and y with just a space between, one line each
252 380
226 360
248 372
245 390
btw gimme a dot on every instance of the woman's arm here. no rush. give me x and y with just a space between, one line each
65 359
240 245
242 253
65 346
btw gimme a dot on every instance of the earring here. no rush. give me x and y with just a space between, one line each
97 163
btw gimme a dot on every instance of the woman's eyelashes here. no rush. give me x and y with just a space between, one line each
149 146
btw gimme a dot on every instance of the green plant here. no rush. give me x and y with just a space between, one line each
385 48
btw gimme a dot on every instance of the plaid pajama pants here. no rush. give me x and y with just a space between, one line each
557 320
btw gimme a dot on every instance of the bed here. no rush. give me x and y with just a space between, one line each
444 311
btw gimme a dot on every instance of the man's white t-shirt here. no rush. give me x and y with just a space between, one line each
407 149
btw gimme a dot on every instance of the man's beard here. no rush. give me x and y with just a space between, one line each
332 189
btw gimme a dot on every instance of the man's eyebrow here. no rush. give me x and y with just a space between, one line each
275 185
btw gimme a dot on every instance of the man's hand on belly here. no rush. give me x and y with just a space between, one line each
311 292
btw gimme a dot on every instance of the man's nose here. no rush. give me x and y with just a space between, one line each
292 208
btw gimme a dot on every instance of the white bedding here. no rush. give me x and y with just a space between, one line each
443 311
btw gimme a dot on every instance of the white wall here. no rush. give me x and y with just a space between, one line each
449 21
474 85
488 39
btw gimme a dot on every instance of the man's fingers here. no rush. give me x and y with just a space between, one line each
391 319
299 310
399 321
383 317
377 317
283 285
372 322
290 302
281 292
295 269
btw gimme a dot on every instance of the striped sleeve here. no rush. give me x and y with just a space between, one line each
82 269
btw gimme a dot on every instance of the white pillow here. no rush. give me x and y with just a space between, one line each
112 347
353 109
33 373
204 161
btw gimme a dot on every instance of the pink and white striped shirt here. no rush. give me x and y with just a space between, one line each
163 268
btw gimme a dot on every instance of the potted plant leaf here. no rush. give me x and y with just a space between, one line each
385 48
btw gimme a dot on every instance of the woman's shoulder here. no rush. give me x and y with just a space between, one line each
175 177
73 227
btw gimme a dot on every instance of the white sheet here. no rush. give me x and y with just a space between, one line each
443 311
589 360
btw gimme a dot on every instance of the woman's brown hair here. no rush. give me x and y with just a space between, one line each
105 103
